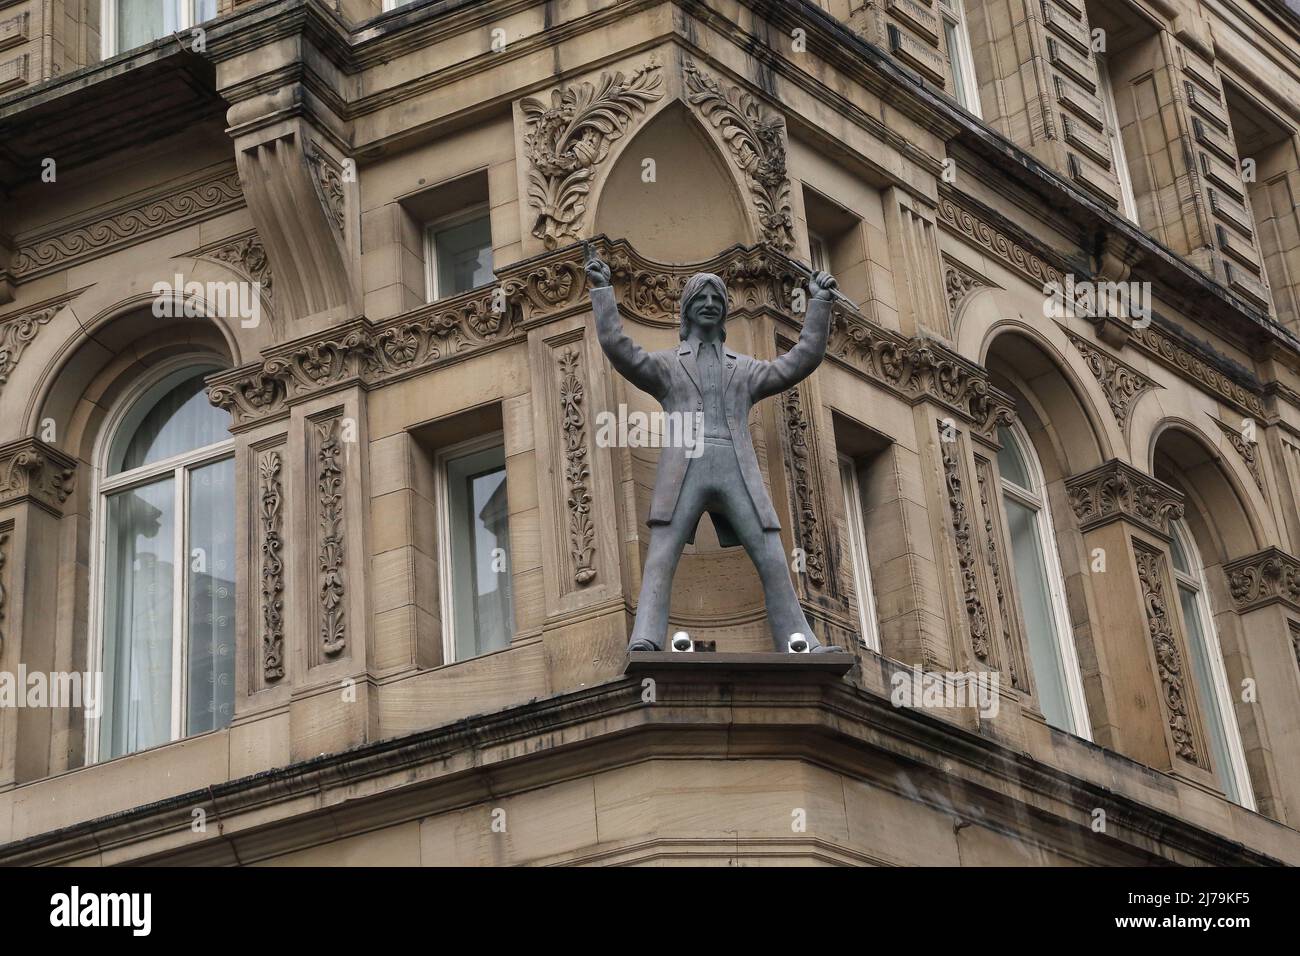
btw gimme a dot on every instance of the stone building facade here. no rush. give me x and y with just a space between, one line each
342 532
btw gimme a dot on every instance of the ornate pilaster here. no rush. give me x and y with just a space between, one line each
270 486
577 466
963 536
808 531
325 435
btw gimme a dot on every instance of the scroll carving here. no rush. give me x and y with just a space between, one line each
246 254
16 334
568 139
1248 450
1122 383
328 178
1116 490
329 505
976 616
1006 612
577 468
1169 664
272 520
31 469
806 524
1261 578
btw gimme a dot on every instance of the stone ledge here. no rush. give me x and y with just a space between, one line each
768 665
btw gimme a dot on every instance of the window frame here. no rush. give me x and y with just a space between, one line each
954 12
442 509
1209 634
108 25
1118 158
1036 500
819 252
105 485
481 210
856 531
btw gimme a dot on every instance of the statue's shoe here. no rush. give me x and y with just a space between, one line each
642 644
827 649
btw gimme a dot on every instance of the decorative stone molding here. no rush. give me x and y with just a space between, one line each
271 496
328 177
577 467
1122 383
1006 613
1012 253
4 594
1248 450
568 139
1182 358
1169 664
1262 578
31 470
960 283
329 545
17 333
976 616
808 533
247 255
757 145
1115 491
157 213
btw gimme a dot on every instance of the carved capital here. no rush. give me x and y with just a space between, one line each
31 470
1263 578
1116 491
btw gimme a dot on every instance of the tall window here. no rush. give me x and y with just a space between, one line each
458 250
857 539
1207 665
1040 584
1127 200
165 568
474 550
131 23
956 39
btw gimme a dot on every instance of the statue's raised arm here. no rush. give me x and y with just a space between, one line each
794 366
634 363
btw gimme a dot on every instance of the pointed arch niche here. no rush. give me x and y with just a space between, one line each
689 210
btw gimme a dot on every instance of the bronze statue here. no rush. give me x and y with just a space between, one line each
702 377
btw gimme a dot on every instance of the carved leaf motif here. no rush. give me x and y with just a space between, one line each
577 471
1169 664
796 426
329 503
976 616
272 503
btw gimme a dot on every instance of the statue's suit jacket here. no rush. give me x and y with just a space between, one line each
670 376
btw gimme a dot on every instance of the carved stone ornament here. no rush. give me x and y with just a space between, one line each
1263 578
757 145
1183 358
808 533
1248 450
1115 490
976 616
1016 256
568 139
577 467
245 254
34 471
329 516
328 177
1169 664
959 283
17 333
1006 612
1122 383
271 496
4 594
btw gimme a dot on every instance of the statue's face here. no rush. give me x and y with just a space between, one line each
707 310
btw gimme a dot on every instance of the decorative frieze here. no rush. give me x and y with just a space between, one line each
808 532
1263 578
757 145
1182 358
271 497
976 617
1116 491
1012 253
570 137
1122 383
577 466
45 251
1169 663
31 470
330 590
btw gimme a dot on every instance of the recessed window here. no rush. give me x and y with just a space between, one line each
477 604
458 250
131 23
857 540
820 254
165 568
1128 202
1207 666
956 39
1040 584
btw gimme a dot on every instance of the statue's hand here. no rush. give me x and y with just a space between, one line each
597 273
821 285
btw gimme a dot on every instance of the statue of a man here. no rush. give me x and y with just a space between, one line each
703 378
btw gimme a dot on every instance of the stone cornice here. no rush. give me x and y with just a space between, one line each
780 710
1118 491
1264 578
31 470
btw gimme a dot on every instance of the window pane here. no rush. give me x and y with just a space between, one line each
480 553
204 10
1205 685
138 584
953 43
142 21
464 256
210 583
1179 554
174 418
1036 601
857 537
1011 461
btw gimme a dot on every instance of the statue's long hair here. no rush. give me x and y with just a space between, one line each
694 286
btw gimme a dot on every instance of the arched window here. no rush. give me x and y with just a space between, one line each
1207 665
164 566
1039 584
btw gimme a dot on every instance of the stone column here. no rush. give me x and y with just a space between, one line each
1152 711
